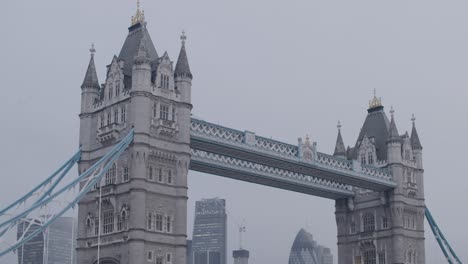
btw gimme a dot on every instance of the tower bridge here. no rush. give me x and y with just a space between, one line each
139 140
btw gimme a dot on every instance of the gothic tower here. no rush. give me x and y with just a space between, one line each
138 213
384 227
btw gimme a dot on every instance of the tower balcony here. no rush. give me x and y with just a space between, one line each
164 127
109 133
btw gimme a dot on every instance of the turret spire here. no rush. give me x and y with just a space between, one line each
91 79
182 68
340 149
393 131
415 142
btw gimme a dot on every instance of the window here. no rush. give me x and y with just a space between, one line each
369 256
150 256
370 158
110 175
116 116
108 221
168 258
149 221
159 260
155 108
363 159
110 92
159 222
160 175
102 121
382 257
150 173
353 228
407 154
126 176
109 120
168 224
368 222
169 176
96 226
123 114
117 88
384 222
173 114
122 221
164 112
164 82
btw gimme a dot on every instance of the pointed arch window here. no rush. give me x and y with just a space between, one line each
150 173
110 92
370 158
109 118
123 114
169 177
160 175
122 220
117 88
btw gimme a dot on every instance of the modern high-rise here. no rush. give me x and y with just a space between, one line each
53 246
210 232
305 250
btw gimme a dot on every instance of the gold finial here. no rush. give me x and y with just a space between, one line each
92 49
139 16
413 119
339 125
183 37
375 102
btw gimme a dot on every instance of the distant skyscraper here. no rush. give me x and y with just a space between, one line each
209 232
189 252
53 246
306 251
241 256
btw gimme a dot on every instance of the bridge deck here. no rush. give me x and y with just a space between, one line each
259 150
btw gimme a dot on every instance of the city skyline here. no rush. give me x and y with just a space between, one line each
393 76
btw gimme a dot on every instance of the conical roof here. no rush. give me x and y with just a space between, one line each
91 79
393 132
137 33
182 67
340 149
415 142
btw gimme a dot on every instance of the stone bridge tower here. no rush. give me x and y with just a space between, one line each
383 227
140 215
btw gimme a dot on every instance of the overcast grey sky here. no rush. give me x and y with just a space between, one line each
280 68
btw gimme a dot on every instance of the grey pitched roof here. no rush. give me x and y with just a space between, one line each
182 67
137 33
340 149
375 126
91 79
415 142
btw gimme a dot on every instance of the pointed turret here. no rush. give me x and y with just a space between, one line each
394 142
182 68
91 79
393 135
90 88
415 142
340 149
182 74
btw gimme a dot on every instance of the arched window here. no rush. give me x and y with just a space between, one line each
122 220
368 222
